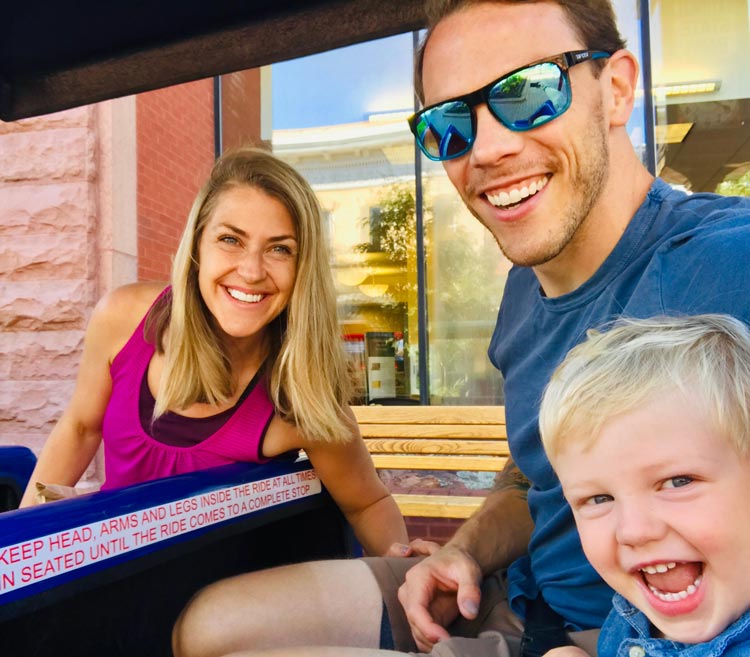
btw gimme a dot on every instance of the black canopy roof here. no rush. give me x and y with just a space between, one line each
55 55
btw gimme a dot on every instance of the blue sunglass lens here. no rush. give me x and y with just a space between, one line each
531 97
446 131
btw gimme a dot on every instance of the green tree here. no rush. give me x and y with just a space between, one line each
735 184
395 232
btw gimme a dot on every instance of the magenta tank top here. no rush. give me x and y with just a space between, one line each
132 456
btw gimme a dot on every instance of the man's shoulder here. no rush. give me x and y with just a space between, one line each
718 230
702 268
708 211
703 222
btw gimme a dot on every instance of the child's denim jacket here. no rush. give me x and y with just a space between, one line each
627 633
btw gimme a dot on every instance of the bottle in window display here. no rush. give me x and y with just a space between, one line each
381 364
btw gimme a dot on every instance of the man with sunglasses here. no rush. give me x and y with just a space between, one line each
526 104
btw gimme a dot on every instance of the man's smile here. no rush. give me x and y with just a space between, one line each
516 194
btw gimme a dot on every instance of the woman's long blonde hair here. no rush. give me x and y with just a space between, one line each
306 366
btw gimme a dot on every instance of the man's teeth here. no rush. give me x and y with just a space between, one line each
241 296
504 199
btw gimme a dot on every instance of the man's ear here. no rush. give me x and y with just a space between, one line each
622 73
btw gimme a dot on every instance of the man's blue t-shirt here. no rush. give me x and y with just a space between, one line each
680 254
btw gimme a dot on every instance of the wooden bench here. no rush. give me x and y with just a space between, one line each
451 438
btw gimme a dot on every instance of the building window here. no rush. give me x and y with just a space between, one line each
691 125
351 141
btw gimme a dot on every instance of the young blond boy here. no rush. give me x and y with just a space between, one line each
648 428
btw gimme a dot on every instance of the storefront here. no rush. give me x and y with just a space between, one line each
419 280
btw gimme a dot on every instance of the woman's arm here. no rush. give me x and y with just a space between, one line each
75 438
348 474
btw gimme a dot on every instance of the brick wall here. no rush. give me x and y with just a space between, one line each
240 108
175 136
439 530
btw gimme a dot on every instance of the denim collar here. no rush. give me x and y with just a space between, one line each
738 632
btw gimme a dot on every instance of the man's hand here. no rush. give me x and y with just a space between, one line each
436 590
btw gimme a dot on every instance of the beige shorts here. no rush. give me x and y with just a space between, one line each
495 632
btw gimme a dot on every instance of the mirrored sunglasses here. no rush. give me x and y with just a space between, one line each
521 100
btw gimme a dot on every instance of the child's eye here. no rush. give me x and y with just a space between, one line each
599 499
678 482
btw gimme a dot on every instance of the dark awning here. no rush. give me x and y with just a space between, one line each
55 55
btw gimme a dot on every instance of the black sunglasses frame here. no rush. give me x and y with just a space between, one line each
564 61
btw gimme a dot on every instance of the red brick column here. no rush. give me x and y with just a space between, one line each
175 133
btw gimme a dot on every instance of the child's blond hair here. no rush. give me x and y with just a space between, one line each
705 357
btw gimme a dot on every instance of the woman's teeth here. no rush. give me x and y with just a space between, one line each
241 296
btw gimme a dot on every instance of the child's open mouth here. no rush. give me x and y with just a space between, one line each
673 581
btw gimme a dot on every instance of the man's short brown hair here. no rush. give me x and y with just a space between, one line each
593 20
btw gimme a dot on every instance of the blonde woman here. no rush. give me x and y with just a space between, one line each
238 359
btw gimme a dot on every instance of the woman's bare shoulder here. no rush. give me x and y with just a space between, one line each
122 309
131 298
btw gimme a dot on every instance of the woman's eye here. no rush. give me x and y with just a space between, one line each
282 250
229 239
678 482
599 499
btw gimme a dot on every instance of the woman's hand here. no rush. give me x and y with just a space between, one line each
416 548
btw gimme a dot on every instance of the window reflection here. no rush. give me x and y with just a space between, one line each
702 91
339 118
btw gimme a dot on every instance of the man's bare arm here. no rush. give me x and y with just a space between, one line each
447 583
500 530
511 478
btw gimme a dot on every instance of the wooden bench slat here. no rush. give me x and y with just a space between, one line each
431 462
440 447
438 506
475 431
430 414
449 438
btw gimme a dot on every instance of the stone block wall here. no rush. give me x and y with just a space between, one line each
67 236
48 281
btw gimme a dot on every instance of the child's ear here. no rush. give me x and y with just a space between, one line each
622 76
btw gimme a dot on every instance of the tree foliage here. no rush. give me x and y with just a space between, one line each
395 230
735 185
